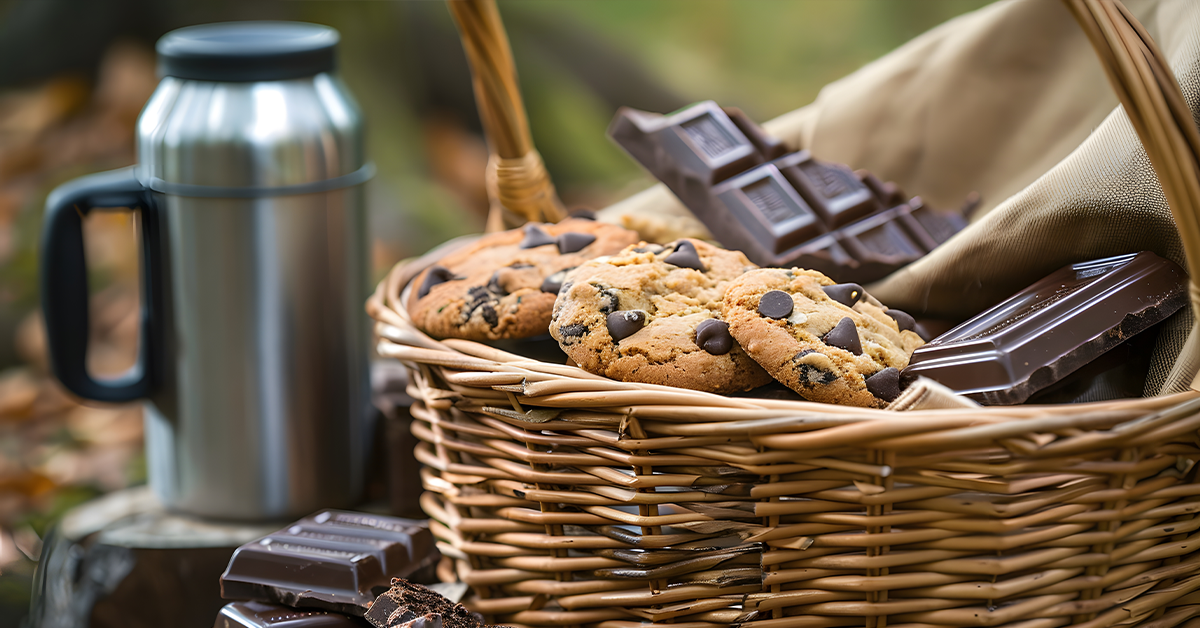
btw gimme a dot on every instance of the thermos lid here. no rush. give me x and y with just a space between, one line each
247 51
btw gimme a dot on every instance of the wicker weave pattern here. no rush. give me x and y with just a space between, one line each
567 499
571 499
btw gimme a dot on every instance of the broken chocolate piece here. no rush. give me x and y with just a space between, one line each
1048 330
625 323
406 602
263 615
845 293
903 320
776 304
573 241
885 384
685 256
436 275
334 560
844 335
583 213
535 236
713 336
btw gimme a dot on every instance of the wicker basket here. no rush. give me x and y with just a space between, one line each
568 499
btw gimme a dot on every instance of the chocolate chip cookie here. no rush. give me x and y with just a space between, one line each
829 342
653 314
504 285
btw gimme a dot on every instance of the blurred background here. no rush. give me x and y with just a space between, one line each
76 73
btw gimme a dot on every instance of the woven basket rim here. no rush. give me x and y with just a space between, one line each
398 337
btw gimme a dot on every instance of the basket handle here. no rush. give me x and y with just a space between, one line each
1147 88
519 188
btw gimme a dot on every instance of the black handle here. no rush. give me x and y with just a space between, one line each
65 283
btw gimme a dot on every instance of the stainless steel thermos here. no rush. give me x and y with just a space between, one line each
253 340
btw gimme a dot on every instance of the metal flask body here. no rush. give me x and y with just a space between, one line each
262 405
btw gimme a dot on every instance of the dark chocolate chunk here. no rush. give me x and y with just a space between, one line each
572 331
489 314
844 335
612 301
572 241
776 304
436 275
535 236
334 560
626 323
811 375
477 297
685 256
553 283
1052 328
583 214
845 293
903 320
263 615
406 603
885 384
713 336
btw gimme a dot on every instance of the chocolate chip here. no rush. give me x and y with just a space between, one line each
489 314
583 214
493 284
553 283
572 331
885 384
713 336
625 323
612 301
809 374
685 256
776 304
903 320
535 236
844 335
436 275
571 241
845 293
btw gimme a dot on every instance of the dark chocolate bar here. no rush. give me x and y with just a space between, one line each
1045 332
408 605
263 615
781 209
334 560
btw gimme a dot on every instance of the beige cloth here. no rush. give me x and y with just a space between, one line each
926 394
1011 102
